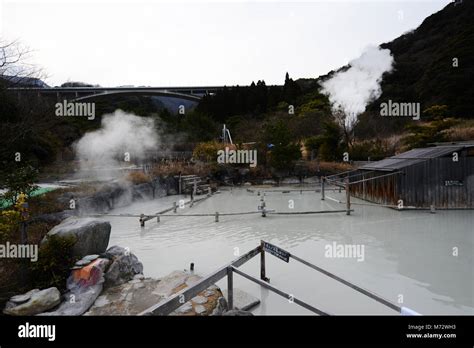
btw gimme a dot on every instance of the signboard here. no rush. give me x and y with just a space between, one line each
276 251
453 183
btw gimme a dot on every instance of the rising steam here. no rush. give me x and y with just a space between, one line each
122 136
351 90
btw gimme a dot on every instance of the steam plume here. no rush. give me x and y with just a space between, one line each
120 134
350 91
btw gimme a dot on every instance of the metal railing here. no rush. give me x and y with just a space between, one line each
172 303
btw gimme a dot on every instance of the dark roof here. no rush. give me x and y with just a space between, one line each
412 157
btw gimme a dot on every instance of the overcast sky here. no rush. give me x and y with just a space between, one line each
190 43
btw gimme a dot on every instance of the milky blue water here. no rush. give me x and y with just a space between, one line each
408 255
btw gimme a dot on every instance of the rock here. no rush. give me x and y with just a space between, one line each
114 251
124 267
199 309
91 258
37 302
90 236
187 307
199 299
142 191
221 307
126 299
24 297
77 303
109 196
209 293
243 300
85 286
81 263
134 297
101 301
237 313
172 283
54 218
85 261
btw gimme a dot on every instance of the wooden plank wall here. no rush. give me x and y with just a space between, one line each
423 184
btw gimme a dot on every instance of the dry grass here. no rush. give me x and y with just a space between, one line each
461 132
175 168
326 168
138 177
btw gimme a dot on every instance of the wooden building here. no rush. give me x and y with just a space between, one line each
441 177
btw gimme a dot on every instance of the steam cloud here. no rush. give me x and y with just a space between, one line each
120 133
350 91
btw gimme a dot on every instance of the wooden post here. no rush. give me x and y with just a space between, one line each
230 288
217 216
262 263
322 188
179 184
175 208
364 188
348 197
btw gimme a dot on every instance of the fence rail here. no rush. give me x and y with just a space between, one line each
169 305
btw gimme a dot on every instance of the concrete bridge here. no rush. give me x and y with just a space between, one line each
94 93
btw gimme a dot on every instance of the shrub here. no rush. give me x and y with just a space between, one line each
138 177
54 263
9 222
207 151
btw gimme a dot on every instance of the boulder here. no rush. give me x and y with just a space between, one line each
142 191
124 267
126 299
33 302
77 303
90 236
54 218
84 285
141 293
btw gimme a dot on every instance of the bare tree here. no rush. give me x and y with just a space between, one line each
346 126
20 116
15 65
